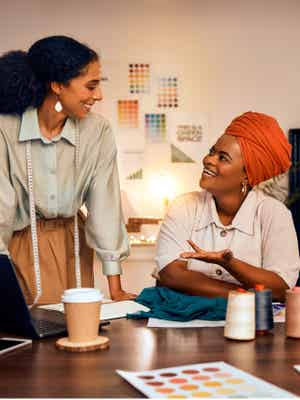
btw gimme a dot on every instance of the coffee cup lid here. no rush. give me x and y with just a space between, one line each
81 295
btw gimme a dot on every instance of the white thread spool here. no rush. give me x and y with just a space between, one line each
240 315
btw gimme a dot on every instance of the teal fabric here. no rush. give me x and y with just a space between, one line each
168 304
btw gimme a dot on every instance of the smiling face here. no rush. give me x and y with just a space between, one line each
223 171
79 94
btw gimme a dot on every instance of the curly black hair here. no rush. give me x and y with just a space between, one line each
25 77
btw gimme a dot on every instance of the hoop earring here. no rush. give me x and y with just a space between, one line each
58 107
244 188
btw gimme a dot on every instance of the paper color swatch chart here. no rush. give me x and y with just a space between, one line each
128 113
207 380
168 92
155 125
139 78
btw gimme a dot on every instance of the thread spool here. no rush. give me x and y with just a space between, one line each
240 315
292 316
263 309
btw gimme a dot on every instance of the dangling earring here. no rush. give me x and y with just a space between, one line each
58 107
244 188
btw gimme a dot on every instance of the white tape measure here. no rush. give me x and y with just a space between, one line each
35 248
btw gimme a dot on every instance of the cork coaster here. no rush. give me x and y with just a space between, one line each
101 343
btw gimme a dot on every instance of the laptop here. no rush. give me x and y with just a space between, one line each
15 316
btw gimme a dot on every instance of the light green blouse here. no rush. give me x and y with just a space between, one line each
55 185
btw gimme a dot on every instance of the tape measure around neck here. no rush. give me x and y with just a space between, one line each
32 210
76 230
35 248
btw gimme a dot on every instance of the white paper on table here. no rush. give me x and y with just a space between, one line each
109 309
53 307
297 368
119 309
278 314
195 323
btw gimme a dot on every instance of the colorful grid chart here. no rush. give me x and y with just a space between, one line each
139 78
207 380
155 125
128 113
168 92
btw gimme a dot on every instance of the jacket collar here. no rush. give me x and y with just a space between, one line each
30 130
243 220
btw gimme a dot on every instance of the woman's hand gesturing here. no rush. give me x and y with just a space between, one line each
215 257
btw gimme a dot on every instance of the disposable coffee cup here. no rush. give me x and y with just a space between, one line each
82 313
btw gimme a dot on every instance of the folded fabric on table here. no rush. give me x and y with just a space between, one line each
168 304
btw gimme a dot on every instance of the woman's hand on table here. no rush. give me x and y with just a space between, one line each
119 295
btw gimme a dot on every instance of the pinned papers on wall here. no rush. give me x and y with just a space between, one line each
188 133
167 92
139 78
136 175
128 113
145 102
206 380
132 164
155 127
178 156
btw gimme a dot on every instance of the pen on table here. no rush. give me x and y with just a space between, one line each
104 323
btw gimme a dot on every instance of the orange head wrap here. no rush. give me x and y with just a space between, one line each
265 149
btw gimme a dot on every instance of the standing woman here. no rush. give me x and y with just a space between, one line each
55 156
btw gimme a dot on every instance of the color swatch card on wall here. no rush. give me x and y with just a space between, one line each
167 92
211 380
155 127
179 156
139 78
128 113
131 165
189 133
188 136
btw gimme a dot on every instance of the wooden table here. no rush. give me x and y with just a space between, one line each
44 371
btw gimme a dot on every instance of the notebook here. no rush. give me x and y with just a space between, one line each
109 309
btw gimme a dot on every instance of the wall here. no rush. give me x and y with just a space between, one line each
232 56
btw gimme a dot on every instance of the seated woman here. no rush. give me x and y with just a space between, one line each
240 236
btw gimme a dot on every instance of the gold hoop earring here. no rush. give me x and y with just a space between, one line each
244 188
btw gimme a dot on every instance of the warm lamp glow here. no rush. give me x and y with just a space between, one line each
162 187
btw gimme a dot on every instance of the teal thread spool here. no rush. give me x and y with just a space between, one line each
263 309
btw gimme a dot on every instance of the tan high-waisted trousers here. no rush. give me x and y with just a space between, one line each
57 260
